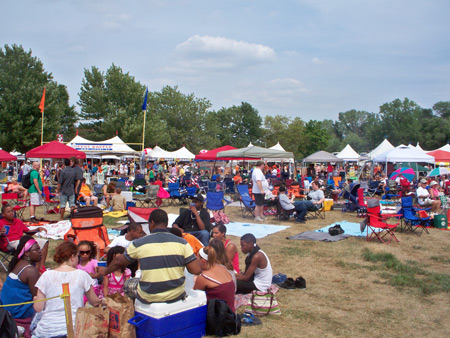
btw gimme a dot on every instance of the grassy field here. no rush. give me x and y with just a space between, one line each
354 288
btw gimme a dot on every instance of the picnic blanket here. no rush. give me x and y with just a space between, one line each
54 230
258 230
351 229
318 236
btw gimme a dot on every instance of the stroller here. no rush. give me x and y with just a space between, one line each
351 194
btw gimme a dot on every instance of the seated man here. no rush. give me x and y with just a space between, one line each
134 232
86 194
162 258
118 202
195 220
286 203
12 229
258 271
423 197
317 198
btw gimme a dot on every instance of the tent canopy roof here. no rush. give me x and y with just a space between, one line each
5 156
440 155
382 148
255 152
54 149
404 153
348 154
110 146
322 156
212 154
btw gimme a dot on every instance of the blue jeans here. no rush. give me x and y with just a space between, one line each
302 208
202 236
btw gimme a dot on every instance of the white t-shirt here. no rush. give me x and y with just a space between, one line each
422 192
53 321
259 176
120 241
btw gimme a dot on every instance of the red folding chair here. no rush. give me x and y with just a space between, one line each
51 205
13 200
362 206
377 228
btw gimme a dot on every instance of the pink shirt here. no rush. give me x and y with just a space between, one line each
89 267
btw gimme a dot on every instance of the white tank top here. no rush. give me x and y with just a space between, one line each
263 277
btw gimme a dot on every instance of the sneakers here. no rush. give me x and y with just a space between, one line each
263 217
259 219
33 220
288 284
300 283
298 220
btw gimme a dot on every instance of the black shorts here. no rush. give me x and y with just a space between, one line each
259 199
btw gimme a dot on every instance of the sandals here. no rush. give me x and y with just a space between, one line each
249 319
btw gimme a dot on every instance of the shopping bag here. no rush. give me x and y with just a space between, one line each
91 322
263 304
121 309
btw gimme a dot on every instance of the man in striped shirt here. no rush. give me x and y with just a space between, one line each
162 257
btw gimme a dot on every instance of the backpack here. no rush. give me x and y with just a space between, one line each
26 180
8 327
221 320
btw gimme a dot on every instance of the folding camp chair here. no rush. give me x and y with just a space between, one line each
214 200
13 200
362 206
51 205
149 198
247 204
412 219
212 185
87 224
283 214
229 187
191 191
316 213
176 194
377 228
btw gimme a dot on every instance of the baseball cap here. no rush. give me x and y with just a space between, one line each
423 181
198 197
433 183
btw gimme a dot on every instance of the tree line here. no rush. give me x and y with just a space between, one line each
111 101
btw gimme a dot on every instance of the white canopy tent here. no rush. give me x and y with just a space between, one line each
382 148
348 154
157 153
279 148
112 146
183 154
403 154
444 148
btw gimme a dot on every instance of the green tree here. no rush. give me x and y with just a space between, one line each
401 121
111 102
316 138
22 81
289 132
180 119
442 108
240 125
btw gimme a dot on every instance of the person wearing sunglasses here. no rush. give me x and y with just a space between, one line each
88 255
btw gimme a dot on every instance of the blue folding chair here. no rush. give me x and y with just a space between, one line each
191 191
229 187
247 204
176 193
410 220
212 185
214 200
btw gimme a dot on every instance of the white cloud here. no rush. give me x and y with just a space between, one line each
317 61
222 53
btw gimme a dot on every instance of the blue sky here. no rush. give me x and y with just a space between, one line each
307 58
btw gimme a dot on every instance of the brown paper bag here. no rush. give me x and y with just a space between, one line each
121 309
92 322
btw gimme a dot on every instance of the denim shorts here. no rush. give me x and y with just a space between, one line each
63 199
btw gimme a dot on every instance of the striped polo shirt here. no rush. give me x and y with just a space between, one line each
162 258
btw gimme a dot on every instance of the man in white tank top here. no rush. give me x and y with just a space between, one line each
258 271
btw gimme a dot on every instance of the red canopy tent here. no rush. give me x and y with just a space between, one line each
211 155
54 149
440 155
5 156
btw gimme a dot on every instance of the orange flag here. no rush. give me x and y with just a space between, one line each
41 106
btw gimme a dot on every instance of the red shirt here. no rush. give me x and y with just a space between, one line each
16 229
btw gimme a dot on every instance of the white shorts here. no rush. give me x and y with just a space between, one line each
35 199
425 202
14 244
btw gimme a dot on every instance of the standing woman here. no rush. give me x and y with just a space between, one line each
53 321
219 231
20 283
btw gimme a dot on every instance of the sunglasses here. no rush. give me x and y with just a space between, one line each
85 252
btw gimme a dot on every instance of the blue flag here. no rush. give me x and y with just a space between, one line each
144 105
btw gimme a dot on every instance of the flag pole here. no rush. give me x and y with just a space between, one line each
144 108
42 108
